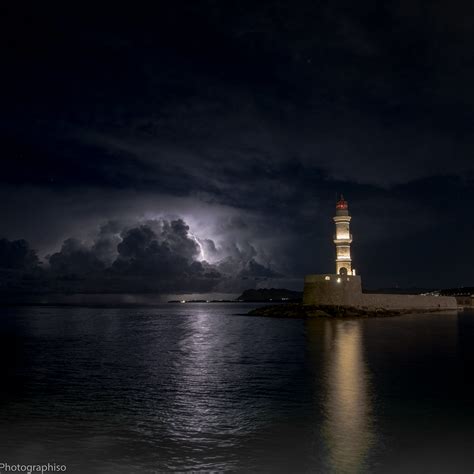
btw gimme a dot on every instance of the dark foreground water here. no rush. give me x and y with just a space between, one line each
196 387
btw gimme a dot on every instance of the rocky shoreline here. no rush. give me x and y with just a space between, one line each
300 311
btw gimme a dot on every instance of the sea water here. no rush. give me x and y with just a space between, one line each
201 387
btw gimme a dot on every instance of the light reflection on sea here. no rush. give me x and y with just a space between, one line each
198 387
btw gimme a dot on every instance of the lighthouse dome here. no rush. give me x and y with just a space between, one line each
342 203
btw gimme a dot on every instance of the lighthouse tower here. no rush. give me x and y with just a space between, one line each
345 288
343 239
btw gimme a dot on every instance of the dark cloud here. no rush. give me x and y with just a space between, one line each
159 256
20 268
245 119
254 269
75 259
17 255
170 253
106 243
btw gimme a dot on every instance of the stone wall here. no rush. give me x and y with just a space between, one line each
347 291
332 290
385 301
465 301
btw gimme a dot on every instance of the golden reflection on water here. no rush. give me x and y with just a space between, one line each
347 428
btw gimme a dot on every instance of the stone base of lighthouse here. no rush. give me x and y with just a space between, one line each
338 290
332 290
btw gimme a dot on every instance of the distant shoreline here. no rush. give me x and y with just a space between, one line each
5 304
225 301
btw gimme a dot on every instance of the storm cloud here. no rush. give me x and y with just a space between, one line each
157 256
243 120
17 255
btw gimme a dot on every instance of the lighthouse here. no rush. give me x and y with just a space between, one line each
343 238
345 287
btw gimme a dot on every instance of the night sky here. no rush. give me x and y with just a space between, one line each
199 146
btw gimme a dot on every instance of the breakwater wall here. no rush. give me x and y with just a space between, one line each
346 290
